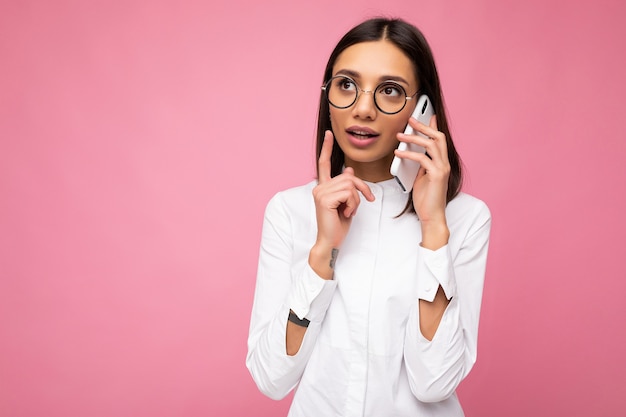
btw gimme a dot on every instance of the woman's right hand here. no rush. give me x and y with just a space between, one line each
336 202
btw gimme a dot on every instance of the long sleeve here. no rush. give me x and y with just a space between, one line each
284 281
435 368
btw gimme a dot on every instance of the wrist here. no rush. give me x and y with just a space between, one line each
322 260
435 234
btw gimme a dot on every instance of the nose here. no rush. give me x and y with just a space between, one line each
365 107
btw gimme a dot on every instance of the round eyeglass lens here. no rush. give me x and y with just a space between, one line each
341 91
390 97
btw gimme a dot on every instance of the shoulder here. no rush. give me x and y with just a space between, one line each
292 200
465 202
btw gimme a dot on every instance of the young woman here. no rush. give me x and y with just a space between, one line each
368 299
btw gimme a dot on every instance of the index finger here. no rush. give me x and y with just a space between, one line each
323 164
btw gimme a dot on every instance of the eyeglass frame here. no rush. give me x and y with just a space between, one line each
325 87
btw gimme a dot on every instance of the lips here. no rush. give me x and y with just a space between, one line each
361 136
361 132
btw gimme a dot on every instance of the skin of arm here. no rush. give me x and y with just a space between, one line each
322 261
295 335
336 201
429 200
434 236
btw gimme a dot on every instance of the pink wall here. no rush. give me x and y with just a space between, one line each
140 141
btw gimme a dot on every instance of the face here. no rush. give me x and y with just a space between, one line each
366 135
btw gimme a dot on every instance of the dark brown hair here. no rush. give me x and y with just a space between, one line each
413 43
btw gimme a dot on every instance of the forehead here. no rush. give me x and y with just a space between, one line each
375 60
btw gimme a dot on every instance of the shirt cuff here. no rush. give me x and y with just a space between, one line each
434 269
310 295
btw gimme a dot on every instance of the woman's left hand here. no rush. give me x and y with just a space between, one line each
431 185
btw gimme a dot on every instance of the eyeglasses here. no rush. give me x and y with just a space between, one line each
389 97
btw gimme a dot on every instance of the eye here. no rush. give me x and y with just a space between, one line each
390 90
345 84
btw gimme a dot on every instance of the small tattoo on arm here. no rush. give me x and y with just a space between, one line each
333 257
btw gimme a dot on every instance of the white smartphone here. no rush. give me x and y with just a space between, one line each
405 170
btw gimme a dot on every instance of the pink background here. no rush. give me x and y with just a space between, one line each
141 140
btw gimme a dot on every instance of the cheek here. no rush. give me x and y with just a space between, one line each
399 123
335 118
402 120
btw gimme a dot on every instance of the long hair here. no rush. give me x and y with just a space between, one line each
413 43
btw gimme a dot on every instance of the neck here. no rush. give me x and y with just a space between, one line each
375 171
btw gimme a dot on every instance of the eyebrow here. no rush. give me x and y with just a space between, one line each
356 75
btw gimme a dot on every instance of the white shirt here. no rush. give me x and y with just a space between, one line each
363 353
